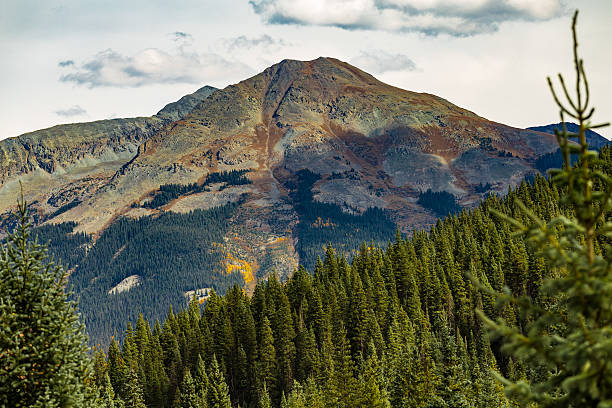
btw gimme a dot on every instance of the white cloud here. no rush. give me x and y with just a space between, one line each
74 110
431 17
153 66
379 61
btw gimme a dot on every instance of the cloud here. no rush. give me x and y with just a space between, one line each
243 42
380 61
66 63
154 66
430 17
74 110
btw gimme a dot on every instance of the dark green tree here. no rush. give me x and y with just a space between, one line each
571 335
264 400
201 381
108 394
132 393
218 391
187 396
44 360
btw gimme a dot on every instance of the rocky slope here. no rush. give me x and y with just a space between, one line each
374 145
369 144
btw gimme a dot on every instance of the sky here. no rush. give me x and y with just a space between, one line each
66 61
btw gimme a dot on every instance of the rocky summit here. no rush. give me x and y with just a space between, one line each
301 134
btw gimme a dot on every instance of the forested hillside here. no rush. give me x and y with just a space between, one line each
166 257
322 223
395 326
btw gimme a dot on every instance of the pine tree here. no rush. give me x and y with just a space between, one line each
108 394
201 381
264 400
371 394
44 359
132 395
117 369
343 388
266 366
284 336
187 396
571 336
218 391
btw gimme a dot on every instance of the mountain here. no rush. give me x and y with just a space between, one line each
594 139
225 186
554 160
181 108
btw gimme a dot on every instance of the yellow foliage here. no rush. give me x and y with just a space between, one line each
233 264
321 223
277 240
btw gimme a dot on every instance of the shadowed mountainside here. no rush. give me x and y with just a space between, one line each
320 143
594 139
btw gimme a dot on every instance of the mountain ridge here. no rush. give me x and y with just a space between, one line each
594 139
328 152
257 123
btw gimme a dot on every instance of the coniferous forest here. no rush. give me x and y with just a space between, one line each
503 305
395 326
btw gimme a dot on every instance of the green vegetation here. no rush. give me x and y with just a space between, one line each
552 160
323 223
231 178
68 247
44 358
172 254
64 208
395 327
442 203
169 192
404 326
567 339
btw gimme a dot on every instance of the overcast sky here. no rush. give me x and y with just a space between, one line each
64 61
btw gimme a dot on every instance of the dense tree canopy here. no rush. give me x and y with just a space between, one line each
43 346
394 327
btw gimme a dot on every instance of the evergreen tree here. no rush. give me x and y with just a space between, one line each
370 388
264 400
187 396
132 394
343 388
571 335
108 394
201 382
266 366
218 391
44 359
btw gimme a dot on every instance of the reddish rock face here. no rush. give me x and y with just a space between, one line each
374 145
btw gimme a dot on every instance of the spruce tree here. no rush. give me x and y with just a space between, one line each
108 394
201 381
264 400
218 391
371 394
132 393
571 336
266 366
187 396
44 359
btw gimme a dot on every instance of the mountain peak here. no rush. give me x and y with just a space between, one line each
325 115
179 109
285 154
324 67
